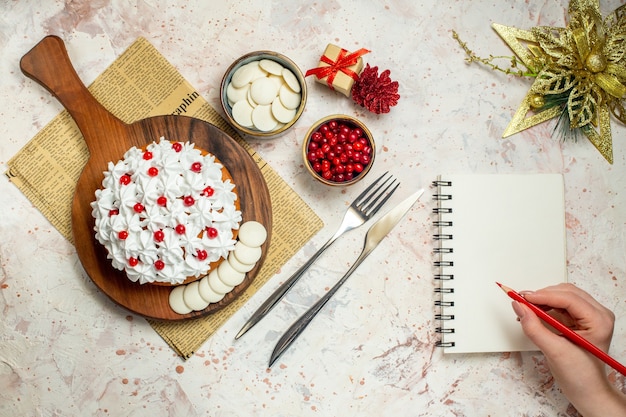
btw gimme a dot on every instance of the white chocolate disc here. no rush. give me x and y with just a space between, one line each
271 66
258 72
250 100
281 113
237 265
242 113
216 284
192 297
177 301
244 74
228 275
207 293
263 119
252 233
288 97
246 254
235 94
291 80
263 91
278 80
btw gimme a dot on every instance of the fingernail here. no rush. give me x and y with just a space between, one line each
517 308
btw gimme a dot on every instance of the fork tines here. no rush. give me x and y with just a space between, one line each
372 196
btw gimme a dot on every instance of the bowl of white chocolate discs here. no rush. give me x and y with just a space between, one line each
263 93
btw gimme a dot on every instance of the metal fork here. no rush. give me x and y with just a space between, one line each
362 209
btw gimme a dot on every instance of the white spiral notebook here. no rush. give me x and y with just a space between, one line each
508 228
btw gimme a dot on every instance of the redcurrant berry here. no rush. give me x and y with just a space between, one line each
180 229
188 201
153 171
159 265
196 167
211 232
122 235
208 191
125 179
162 201
133 261
202 254
147 155
159 235
138 208
177 146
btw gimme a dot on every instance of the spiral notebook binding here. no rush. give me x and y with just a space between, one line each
443 250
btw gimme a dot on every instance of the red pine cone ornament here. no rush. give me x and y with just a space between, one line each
376 93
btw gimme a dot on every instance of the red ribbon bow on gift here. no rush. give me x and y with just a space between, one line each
344 60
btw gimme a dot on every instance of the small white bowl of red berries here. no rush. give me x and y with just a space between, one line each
338 150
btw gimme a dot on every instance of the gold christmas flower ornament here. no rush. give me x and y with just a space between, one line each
579 72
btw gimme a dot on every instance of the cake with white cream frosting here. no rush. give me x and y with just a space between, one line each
167 213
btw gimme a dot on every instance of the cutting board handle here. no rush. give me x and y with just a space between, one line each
49 64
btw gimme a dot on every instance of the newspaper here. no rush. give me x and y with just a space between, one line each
139 84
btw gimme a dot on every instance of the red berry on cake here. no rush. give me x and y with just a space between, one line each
159 235
208 191
211 232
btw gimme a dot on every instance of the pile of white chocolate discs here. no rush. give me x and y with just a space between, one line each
263 95
197 295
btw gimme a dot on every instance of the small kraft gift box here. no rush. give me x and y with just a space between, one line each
338 68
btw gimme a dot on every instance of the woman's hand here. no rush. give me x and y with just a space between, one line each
580 375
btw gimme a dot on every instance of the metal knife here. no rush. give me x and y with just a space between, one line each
374 235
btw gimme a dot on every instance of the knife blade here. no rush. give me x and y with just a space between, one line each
374 236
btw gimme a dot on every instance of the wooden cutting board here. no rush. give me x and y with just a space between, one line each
108 138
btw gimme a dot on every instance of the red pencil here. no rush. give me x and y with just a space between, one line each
566 331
